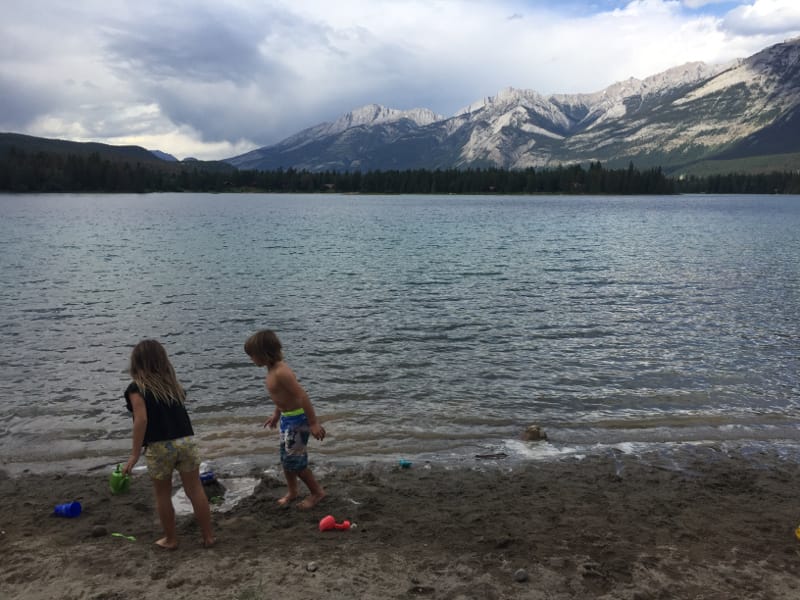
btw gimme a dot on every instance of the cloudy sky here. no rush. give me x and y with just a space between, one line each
213 79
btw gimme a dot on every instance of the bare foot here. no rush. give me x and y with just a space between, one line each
286 500
209 543
165 544
311 501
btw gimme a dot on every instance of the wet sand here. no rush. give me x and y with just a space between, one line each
717 527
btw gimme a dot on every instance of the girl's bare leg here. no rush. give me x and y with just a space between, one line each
197 496
166 513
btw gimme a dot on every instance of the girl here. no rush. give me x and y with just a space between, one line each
162 426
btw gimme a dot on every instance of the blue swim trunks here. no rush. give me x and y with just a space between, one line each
294 440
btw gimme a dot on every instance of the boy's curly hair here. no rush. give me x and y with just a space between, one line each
264 345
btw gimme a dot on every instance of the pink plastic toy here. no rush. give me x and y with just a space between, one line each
328 523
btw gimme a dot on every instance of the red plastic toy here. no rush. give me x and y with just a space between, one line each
328 523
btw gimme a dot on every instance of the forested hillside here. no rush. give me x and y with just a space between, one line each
36 170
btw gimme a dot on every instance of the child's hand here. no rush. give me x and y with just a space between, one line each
318 431
130 464
272 422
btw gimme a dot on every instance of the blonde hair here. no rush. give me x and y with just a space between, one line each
264 345
152 372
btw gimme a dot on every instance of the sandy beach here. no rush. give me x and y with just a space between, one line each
715 527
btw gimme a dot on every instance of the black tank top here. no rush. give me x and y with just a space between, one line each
165 421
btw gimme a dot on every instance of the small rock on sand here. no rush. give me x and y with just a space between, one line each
534 433
99 531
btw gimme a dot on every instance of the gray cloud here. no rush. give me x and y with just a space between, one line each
218 71
193 45
21 103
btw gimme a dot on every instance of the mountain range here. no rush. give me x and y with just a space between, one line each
695 118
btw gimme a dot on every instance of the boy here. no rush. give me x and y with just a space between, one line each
293 411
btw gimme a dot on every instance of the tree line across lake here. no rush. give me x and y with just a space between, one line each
26 172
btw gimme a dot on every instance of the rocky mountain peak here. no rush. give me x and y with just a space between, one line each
375 114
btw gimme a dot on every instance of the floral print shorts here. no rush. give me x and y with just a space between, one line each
164 457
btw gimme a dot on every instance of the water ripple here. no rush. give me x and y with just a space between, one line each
446 323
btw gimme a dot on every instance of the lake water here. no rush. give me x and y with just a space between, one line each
423 327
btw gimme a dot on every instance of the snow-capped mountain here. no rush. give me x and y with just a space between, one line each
686 114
